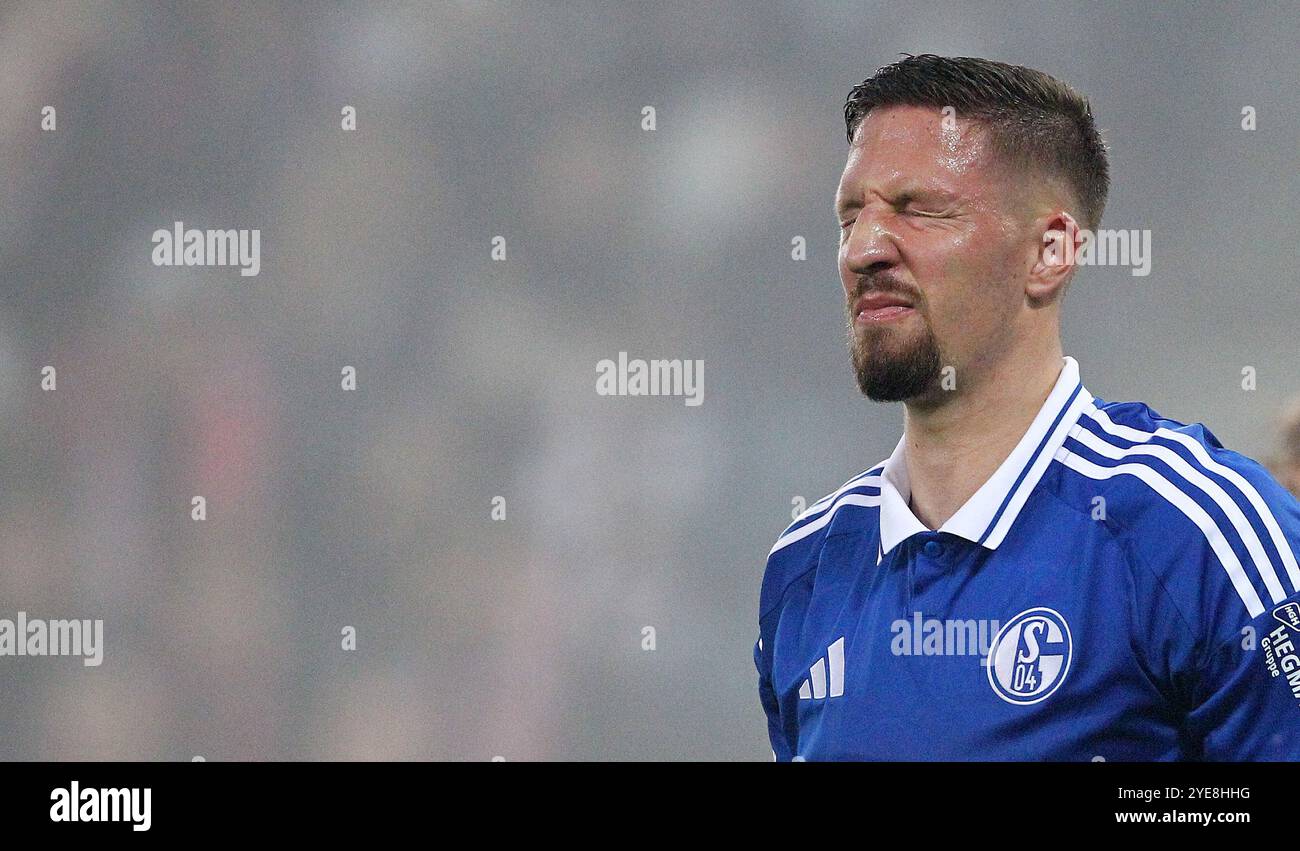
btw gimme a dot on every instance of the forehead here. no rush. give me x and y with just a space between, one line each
915 145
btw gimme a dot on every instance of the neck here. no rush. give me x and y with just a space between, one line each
956 443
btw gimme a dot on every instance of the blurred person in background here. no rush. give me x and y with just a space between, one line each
1286 464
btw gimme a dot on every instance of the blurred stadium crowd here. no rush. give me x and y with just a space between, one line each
523 637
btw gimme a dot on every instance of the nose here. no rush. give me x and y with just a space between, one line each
870 246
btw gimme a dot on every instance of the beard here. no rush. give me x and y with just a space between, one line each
892 366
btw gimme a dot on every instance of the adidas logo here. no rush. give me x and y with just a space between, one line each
814 688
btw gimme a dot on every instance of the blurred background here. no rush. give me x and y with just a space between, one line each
519 638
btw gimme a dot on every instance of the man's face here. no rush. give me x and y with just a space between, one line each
932 254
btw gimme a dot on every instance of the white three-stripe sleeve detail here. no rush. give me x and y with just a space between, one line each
1180 466
1247 489
804 531
1187 506
859 480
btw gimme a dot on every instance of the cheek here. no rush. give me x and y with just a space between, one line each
954 269
980 270
968 295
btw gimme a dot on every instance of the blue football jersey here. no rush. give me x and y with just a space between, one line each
1122 588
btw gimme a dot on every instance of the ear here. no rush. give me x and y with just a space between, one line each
1062 241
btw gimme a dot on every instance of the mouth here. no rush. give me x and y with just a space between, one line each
879 308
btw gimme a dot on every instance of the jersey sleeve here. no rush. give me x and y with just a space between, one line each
1247 704
1220 602
789 573
781 747
782 728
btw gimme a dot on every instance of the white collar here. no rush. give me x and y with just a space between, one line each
989 513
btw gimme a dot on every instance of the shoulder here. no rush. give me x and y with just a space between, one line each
1143 462
795 551
1213 529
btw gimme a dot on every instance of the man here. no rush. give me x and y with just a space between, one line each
1033 573
1286 464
